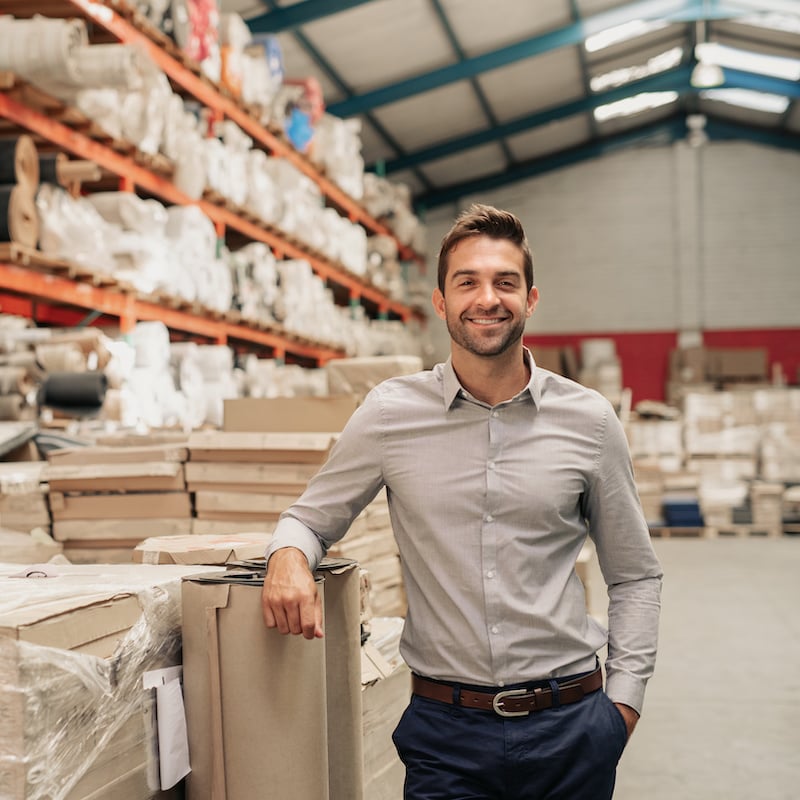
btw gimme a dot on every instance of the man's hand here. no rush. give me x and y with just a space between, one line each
630 715
289 600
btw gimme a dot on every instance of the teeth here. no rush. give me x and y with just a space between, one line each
485 321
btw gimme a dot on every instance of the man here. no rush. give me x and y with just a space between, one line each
495 470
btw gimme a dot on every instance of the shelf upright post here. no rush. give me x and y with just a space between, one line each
128 316
355 302
219 229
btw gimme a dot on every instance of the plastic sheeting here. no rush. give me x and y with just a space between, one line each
68 714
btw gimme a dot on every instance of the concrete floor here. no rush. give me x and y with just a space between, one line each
722 713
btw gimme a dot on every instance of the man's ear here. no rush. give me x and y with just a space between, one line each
437 299
533 299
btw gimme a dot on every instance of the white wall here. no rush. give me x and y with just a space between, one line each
652 239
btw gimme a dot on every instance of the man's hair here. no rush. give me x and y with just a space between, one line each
481 220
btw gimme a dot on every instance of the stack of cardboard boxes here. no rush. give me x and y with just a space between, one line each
729 454
104 500
243 481
76 642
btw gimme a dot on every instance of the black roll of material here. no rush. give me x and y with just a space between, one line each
49 164
79 393
58 169
19 162
19 220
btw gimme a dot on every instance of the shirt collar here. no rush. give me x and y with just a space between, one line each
451 386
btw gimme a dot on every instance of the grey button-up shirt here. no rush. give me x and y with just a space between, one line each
490 506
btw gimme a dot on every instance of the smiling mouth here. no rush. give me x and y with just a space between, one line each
490 321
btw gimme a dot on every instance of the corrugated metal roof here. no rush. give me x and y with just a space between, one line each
455 95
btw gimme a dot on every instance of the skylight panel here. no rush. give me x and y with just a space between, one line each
785 23
746 98
747 61
622 33
634 105
619 77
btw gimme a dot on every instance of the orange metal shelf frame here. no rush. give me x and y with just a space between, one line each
206 93
123 166
129 309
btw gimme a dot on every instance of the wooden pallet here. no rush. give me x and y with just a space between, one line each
747 530
30 258
791 528
666 532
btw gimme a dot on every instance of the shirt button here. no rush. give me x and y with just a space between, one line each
495 414
489 518
495 629
501 684
490 573
491 465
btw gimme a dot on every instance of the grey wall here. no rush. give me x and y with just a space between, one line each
653 239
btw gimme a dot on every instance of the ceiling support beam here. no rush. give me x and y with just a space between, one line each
569 35
660 133
663 132
476 87
291 17
674 80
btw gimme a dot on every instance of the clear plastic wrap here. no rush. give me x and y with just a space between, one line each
72 720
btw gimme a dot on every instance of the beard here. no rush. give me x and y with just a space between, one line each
485 344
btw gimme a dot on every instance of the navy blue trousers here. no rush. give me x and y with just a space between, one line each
565 753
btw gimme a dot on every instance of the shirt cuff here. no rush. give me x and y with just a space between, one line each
622 687
290 532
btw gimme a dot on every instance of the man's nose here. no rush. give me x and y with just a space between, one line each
487 295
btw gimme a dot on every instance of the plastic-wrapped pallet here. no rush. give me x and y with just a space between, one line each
74 648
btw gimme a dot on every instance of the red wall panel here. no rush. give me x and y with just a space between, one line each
645 355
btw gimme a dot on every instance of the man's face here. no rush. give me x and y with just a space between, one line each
485 302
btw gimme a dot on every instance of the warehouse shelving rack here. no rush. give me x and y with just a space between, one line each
133 169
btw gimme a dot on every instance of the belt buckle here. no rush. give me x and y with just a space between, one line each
497 703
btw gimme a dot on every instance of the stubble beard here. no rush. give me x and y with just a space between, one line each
493 345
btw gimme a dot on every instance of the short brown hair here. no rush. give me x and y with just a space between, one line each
482 220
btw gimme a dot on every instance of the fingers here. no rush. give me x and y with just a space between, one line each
290 601
295 612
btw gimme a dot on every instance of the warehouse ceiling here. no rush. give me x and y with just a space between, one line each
458 96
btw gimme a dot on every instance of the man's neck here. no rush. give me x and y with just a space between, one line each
492 379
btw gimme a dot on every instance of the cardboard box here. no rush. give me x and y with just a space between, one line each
386 691
384 701
688 364
17 547
302 414
201 549
248 477
114 531
259 504
73 649
140 476
357 376
272 448
735 364
548 358
219 527
256 700
118 455
143 505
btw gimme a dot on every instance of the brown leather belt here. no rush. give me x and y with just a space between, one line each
511 702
